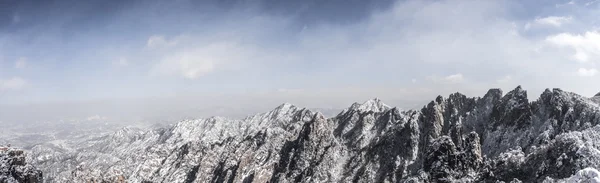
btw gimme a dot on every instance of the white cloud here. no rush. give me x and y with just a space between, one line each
572 2
121 62
14 83
586 46
434 41
189 64
450 79
587 72
555 21
455 78
504 79
21 63
527 26
158 41
192 63
591 2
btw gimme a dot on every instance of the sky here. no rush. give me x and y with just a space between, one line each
243 56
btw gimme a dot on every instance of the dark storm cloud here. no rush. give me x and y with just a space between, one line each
318 11
17 15
74 15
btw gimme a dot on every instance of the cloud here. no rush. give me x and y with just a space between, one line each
14 83
192 63
591 2
121 62
158 41
21 63
455 78
504 79
572 2
189 64
586 46
450 79
587 72
476 41
555 21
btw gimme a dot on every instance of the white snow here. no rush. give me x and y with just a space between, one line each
587 175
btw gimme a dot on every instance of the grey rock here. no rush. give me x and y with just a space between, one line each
14 167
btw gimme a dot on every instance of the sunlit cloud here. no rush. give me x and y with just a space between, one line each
505 79
556 21
455 78
158 41
586 46
587 72
192 63
121 62
450 79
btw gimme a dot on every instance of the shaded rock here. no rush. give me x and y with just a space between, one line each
14 168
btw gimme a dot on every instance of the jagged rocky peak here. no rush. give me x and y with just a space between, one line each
495 93
439 99
285 109
319 116
518 92
515 98
453 99
547 91
375 105
372 105
549 95
558 97
513 109
597 94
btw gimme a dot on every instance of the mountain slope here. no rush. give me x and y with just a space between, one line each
14 167
491 138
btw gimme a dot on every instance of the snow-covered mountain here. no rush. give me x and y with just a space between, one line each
15 169
455 139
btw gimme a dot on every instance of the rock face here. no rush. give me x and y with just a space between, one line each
596 98
456 139
13 168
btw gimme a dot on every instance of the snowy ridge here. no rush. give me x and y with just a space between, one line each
373 105
588 175
455 139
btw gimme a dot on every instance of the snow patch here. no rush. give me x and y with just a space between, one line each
588 175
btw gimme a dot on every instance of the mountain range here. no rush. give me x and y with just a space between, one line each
495 138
